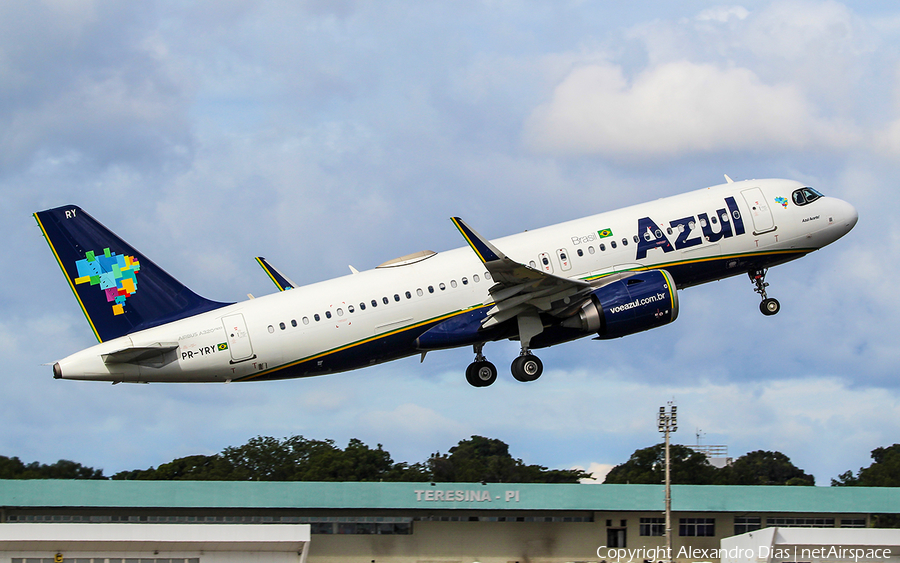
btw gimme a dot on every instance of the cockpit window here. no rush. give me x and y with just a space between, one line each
805 195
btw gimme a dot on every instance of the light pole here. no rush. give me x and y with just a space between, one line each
667 421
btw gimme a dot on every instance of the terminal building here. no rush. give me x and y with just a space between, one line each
210 521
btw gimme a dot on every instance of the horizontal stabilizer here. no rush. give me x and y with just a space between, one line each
140 354
280 280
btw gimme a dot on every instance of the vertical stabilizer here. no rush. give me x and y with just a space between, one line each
119 290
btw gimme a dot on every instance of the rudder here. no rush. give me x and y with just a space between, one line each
120 291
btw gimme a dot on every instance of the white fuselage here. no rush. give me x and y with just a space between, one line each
375 316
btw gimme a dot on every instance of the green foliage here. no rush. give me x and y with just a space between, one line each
883 472
13 468
488 460
689 467
763 468
300 459
647 466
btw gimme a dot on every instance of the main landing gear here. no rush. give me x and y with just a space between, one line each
481 373
769 305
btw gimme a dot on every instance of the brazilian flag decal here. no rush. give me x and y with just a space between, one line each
605 233
223 346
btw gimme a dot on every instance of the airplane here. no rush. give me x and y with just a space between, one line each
607 276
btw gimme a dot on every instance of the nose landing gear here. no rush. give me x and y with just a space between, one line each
769 305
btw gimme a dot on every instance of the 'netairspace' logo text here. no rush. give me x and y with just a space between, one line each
762 552
638 303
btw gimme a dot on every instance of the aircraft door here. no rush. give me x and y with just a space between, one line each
546 264
763 221
238 338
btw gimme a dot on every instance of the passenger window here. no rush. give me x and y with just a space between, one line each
317 317
475 278
281 326
545 260
713 220
580 252
340 312
374 303
385 300
419 292
590 250
636 239
350 308
362 306
408 295
702 222
442 286
271 329
293 322
327 314
648 236
487 275
532 264
452 283
430 289
602 247
612 244
465 281
669 230
396 297
306 320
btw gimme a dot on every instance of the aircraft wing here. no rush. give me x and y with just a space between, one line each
280 280
520 287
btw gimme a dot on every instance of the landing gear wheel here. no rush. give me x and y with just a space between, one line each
527 368
481 374
769 306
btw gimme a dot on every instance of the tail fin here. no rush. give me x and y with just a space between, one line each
119 290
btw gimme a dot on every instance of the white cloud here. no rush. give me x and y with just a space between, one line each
676 109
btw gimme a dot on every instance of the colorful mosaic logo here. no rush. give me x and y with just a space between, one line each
782 201
115 274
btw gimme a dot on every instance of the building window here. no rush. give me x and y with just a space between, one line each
615 537
744 524
697 527
853 523
653 526
801 522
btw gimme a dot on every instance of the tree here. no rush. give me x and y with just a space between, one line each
647 465
13 468
763 468
884 470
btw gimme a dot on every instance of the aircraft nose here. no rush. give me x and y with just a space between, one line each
847 215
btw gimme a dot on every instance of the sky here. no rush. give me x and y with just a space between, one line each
325 134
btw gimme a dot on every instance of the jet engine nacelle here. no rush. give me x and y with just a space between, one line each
637 303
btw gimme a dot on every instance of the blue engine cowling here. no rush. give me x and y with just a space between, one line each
637 303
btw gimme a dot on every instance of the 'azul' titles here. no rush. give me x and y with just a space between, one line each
725 223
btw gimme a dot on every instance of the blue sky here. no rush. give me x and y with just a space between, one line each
321 134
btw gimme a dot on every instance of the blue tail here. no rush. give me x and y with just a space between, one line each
119 290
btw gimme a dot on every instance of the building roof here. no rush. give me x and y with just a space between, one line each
424 496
